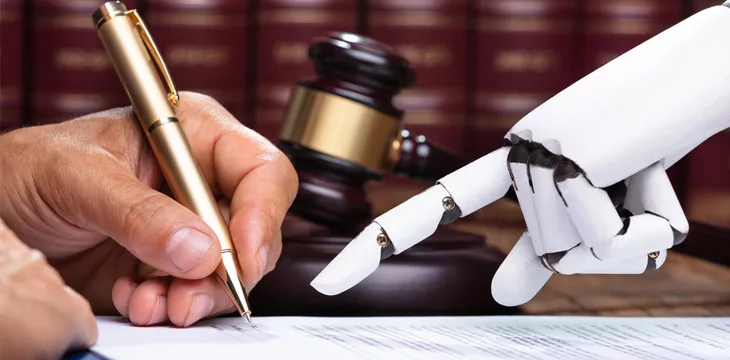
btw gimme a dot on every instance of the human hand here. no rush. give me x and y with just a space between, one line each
89 194
40 317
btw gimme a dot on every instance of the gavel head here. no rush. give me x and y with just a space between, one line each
342 129
347 111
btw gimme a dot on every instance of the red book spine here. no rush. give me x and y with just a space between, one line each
611 28
285 29
525 53
434 37
204 45
707 172
72 74
12 65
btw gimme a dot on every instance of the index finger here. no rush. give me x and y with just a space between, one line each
250 171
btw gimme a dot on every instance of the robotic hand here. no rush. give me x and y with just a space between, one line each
588 167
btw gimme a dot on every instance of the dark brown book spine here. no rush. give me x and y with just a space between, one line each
285 29
434 37
72 74
525 53
707 195
12 64
205 46
699 5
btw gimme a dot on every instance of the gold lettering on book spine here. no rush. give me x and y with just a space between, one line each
308 17
628 8
626 27
426 55
78 59
417 19
290 52
215 21
525 60
204 56
523 25
9 15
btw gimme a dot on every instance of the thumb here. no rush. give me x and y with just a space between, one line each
521 275
152 226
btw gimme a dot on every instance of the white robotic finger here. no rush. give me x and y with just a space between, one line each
659 222
357 260
480 182
650 191
415 220
590 208
580 260
520 276
390 233
557 231
643 234
517 165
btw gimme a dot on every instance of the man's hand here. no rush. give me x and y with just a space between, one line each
40 317
90 195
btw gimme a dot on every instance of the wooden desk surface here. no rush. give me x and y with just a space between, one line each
684 286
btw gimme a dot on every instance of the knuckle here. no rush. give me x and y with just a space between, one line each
275 216
139 218
291 179
289 174
275 255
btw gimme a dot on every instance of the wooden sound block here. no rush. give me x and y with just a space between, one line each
449 273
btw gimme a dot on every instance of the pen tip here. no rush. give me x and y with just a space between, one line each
248 316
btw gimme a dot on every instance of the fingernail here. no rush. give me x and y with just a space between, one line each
187 247
159 313
202 306
263 257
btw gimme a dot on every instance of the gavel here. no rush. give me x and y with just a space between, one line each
342 130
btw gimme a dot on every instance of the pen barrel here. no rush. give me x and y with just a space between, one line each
133 63
136 69
185 178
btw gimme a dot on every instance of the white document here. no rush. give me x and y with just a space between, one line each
486 337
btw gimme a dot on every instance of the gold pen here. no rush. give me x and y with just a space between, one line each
134 56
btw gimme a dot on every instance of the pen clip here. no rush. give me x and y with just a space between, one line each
155 53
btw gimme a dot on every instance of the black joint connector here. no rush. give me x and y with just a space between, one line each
386 251
450 216
566 170
679 237
518 154
627 222
650 264
617 193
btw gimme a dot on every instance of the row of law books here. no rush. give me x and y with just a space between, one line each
481 64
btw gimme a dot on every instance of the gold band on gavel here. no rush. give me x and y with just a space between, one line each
342 128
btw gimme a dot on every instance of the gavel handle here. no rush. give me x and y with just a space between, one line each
421 158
